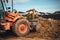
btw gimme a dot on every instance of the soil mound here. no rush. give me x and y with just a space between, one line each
49 27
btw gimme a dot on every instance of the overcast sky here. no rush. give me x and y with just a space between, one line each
39 5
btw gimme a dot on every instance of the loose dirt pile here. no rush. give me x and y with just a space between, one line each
49 28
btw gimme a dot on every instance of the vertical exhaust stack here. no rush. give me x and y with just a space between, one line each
12 5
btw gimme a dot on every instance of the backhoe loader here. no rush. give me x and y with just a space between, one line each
20 25
12 20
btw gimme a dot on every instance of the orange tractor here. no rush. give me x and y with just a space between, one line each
19 24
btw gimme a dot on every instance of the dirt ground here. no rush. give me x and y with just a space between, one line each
31 36
51 31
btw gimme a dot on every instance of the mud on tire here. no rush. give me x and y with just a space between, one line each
21 27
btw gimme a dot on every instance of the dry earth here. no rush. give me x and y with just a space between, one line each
49 30
31 36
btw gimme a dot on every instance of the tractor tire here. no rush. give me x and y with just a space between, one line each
21 27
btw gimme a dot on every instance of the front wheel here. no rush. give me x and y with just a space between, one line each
21 27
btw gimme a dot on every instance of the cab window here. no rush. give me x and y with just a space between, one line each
1 8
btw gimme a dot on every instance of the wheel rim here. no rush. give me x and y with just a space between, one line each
22 28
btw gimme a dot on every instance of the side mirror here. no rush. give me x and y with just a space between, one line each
8 7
